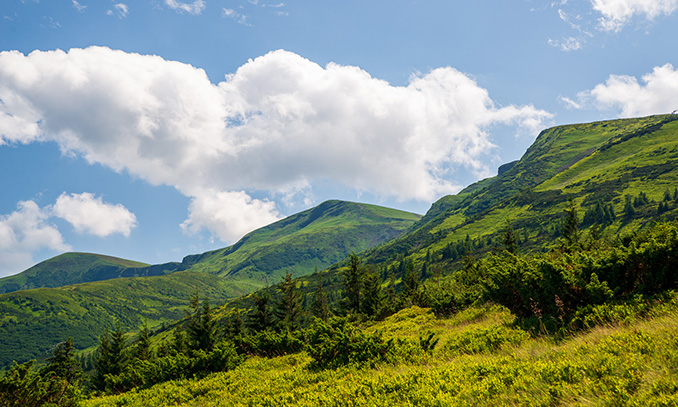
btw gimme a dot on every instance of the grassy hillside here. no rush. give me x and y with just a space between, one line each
305 242
482 358
72 268
32 321
600 164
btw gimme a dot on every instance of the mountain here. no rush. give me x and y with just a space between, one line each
73 268
32 320
303 243
603 167
620 175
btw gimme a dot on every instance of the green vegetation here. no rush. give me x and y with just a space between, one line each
32 321
310 240
550 284
73 268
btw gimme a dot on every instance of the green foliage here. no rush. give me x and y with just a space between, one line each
74 268
201 326
288 309
336 343
353 278
555 286
57 384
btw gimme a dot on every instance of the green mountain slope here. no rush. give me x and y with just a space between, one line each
598 165
310 240
73 268
32 321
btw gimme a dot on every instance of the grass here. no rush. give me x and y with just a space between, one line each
615 364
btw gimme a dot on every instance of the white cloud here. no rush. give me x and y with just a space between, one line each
194 8
567 44
24 232
617 13
238 17
279 122
78 6
122 9
656 93
91 215
228 215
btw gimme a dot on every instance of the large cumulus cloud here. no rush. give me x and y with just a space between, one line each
276 127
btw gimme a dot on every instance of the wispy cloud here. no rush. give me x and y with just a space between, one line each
195 8
567 44
240 18
79 6
617 13
121 10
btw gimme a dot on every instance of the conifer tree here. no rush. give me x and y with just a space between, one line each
202 327
353 277
509 239
320 307
410 285
261 319
570 226
142 347
288 309
371 293
110 357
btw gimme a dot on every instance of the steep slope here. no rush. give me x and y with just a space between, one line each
73 268
310 240
598 165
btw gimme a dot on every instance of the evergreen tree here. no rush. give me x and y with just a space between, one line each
235 328
410 285
389 305
261 318
320 307
570 226
629 209
288 309
353 277
110 357
62 376
202 327
509 240
142 346
371 293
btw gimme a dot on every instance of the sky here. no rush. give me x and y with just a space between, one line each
154 129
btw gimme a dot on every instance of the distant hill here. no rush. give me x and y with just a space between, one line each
310 240
72 268
620 174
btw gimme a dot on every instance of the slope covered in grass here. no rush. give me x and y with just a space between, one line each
73 268
310 240
482 358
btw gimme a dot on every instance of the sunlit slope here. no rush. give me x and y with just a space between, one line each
315 238
74 268
482 358
602 163
33 321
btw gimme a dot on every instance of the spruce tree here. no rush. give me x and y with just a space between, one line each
142 346
570 226
509 240
371 293
110 357
353 277
261 318
202 327
320 307
288 309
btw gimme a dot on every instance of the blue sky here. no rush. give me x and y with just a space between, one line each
154 129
